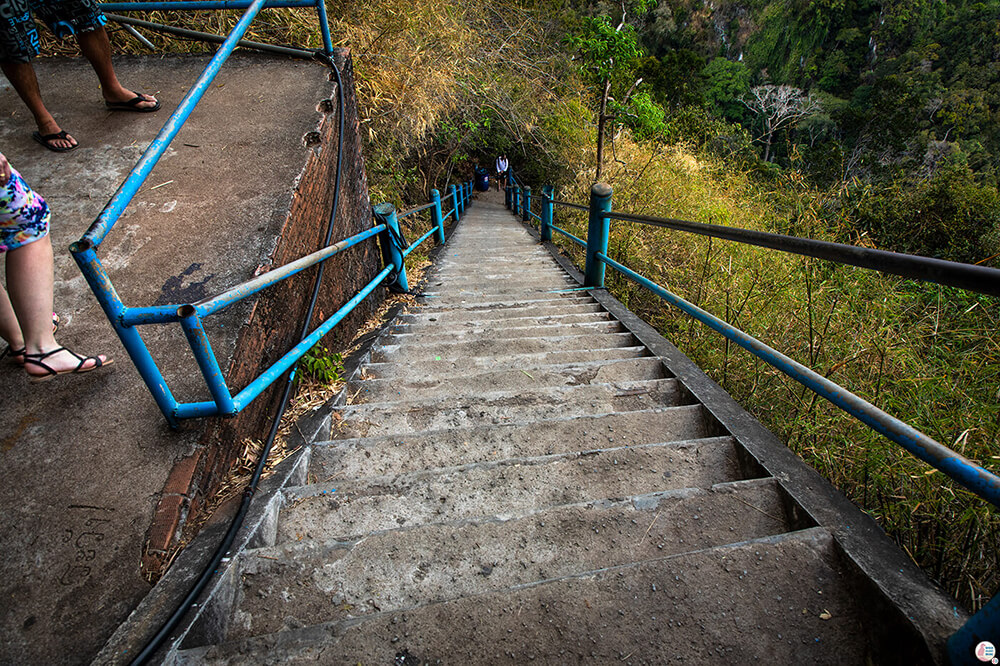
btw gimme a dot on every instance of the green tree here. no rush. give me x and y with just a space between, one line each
726 83
608 57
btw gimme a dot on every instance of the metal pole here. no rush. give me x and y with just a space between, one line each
597 234
391 253
324 28
526 213
107 297
506 195
453 193
515 200
203 354
436 219
547 206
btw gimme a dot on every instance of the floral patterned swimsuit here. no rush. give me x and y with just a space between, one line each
24 215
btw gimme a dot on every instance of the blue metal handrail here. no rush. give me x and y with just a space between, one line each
974 477
190 316
969 474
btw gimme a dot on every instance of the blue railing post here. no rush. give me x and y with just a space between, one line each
515 200
389 240
203 354
453 193
506 194
526 213
324 27
597 234
546 231
461 195
436 219
983 626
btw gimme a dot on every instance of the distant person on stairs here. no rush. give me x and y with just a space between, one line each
19 43
27 323
501 168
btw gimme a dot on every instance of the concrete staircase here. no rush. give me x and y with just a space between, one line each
518 478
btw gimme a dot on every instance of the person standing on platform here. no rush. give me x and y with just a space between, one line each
27 323
19 43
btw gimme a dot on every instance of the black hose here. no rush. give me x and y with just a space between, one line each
237 522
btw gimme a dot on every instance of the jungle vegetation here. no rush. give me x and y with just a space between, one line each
872 122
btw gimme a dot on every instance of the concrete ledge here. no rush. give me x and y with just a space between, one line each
88 461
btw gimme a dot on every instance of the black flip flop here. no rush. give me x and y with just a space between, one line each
46 139
133 105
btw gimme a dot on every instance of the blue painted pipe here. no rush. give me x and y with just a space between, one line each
390 253
207 363
107 297
436 218
575 239
324 28
598 228
515 201
453 193
156 314
268 377
547 209
419 242
168 5
977 479
251 287
116 206
526 212
983 626
195 410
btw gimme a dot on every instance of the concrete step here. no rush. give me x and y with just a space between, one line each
345 507
502 305
786 599
452 316
434 350
542 369
405 335
320 581
354 458
413 323
499 295
447 409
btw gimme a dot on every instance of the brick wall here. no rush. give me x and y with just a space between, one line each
275 322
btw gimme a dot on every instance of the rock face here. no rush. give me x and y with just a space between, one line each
518 477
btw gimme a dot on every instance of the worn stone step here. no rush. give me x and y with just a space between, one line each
312 581
785 599
542 369
499 295
448 409
433 350
504 487
482 282
426 313
431 322
354 458
404 335
507 302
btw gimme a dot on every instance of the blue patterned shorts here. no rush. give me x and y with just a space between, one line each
24 215
18 35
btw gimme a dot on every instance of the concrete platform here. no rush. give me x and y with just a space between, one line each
84 459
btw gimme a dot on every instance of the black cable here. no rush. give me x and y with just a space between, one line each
237 522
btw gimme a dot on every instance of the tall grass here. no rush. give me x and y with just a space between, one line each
927 354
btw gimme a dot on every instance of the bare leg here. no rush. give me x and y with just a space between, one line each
10 330
22 77
30 282
96 49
